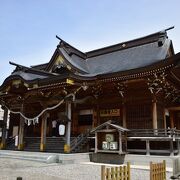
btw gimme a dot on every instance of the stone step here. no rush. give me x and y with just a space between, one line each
32 156
46 157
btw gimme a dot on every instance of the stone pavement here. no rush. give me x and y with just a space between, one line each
10 169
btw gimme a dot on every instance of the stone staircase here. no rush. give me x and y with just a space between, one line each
53 144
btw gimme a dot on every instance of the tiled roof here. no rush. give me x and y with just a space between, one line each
122 60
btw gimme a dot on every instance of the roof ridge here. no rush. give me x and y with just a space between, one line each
130 43
66 45
34 66
119 46
30 69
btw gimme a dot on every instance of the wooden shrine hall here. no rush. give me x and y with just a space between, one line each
136 84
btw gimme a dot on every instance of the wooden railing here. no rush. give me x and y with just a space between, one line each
154 133
115 173
147 135
78 140
158 171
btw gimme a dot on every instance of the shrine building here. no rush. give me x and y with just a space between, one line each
135 84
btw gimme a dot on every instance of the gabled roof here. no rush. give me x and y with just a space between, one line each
120 57
109 124
27 74
123 59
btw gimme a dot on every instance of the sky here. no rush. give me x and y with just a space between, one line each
28 28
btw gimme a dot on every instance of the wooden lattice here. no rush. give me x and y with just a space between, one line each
116 173
158 171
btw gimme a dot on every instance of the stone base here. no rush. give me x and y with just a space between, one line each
107 158
21 147
42 147
2 146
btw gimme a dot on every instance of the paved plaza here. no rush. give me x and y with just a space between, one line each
10 169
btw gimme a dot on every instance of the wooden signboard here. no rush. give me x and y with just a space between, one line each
109 112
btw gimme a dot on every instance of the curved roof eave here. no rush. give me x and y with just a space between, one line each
128 74
161 65
17 77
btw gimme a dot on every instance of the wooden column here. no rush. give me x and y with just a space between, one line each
171 119
154 114
75 123
21 133
98 113
43 131
164 118
96 142
147 147
95 118
68 128
124 115
120 142
178 147
5 117
171 148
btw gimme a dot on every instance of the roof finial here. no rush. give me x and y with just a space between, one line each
58 37
172 27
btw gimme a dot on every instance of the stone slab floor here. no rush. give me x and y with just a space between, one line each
10 169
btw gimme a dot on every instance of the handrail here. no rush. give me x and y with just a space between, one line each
154 132
77 141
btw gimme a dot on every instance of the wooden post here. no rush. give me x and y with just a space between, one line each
147 147
94 118
98 113
128 171
164 118
5 117
68 132
43 131
96 142
178 147
21 134
154 115
124 115
103 172
171 119
171 148
120 142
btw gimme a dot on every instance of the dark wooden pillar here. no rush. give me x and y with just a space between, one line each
96 115
4 129
120 142
96 142
164 119
124 115
43 131
68 128
147 147
171 148
154 114
178 147
21 134
171 119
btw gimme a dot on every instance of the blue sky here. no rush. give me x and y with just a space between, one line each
28 28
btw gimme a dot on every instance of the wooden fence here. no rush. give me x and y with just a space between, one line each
116 173
158 171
